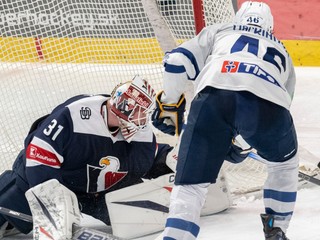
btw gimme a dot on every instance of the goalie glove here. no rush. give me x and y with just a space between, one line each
237 151
169 118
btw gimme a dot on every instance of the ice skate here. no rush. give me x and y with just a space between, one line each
270 232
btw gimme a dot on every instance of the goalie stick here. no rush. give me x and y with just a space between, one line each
309 178
302 175
79 233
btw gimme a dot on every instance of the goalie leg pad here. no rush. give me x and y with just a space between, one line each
140 209
132 207
54 209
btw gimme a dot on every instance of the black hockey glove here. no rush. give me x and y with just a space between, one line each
169 118
236 154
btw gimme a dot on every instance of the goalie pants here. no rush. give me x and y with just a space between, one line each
215 117
12 190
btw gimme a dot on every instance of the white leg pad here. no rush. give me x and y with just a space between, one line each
129 219
54 209
140 209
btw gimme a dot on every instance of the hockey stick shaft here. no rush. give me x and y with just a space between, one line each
15 214
309 178
302 175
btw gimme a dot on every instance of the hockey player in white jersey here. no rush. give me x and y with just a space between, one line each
245 82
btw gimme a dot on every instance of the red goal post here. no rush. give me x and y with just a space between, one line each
198 11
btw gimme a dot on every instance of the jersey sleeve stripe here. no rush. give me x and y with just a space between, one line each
191 57
174 69
39 152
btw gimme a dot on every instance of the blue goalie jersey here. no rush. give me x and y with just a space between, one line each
74 145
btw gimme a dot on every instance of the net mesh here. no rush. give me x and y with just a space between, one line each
51 50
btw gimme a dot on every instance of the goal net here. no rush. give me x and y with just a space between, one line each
52 50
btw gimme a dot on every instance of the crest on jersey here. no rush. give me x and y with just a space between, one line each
105 176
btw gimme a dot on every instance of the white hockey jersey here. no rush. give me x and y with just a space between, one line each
231 57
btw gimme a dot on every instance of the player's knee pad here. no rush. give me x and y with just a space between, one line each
54 209
218 197
291 164
282 175
186 201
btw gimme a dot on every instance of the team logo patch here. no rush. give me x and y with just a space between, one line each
249 68
107 175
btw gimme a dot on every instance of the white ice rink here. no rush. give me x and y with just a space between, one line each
242 221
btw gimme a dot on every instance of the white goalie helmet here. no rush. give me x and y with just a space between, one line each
132 102
255 14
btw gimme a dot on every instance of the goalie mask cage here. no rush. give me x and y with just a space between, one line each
52 50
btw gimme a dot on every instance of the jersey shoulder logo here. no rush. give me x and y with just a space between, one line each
85 113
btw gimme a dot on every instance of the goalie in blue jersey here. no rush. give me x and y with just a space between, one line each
244 80
86 147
